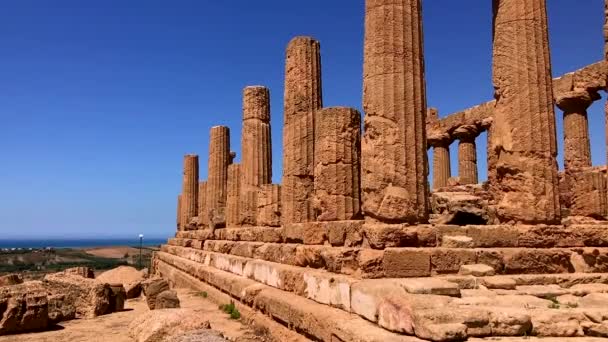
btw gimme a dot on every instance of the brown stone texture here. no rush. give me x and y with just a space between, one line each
189 206
233 195
269 205
219 159
337 164
179 212
589 193
442 169
256 149
577 147
303 97
525 185
202 204
467 154
394 160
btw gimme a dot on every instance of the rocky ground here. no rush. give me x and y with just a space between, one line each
115 327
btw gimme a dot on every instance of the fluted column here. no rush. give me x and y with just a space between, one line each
256 150
233 195
179 212
337 164
442 168
526 187
467 153
302 99
394 162
219 159
577 147
269 205
202 204
189 207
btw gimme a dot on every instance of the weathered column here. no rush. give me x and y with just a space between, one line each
589 189
606 59
577 147
269 205
337 164
467 153
526 190
202 204
219 159
189 190
233 195
179 212
302 99
394 162
442 169
256 150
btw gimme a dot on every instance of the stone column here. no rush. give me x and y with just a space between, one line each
256 150
202 204
589 189
302 99
526 190
467 153
179 212
189 190
442 169
233 195
606 59
269 205
337 164
219 159
394 160
577 147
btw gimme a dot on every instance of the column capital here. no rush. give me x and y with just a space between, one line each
466 132
438 139
576 101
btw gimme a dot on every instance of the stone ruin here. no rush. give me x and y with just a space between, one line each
356 245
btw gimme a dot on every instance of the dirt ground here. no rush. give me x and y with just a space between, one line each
117 252
115 327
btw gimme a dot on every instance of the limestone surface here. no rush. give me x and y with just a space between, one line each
219 159
393 155
233 199
337 164
189 206
203 219
525 181
303 98
269 205
256 145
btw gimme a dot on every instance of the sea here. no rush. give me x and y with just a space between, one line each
78 243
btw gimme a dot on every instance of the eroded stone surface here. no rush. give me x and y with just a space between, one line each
394 162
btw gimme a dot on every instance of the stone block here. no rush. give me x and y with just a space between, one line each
445 260
476 270
405 263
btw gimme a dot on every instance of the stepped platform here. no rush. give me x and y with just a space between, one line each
351 281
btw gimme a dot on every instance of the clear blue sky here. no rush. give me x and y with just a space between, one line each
101 99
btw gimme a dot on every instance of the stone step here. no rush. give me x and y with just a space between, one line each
423 306
413 262
380 236
317 321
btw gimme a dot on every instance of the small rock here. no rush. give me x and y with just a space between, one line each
89 297
152 288
542 291
477 270
85 272
598 330
457 241
157 325
117 298
594 300
585 289
60 310
11 279
430 286
568 300
23 311
498 282
167 300
133 290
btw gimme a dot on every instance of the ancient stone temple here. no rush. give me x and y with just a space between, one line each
356 245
